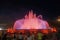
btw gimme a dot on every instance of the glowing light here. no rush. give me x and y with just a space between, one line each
31 21
1 29
45 31
10 30
54 29
58 20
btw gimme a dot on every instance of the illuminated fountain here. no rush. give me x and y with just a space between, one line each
31 21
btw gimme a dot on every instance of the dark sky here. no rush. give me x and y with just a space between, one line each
14 9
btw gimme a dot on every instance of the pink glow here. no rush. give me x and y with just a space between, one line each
31 21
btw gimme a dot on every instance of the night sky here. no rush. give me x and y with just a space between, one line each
11 10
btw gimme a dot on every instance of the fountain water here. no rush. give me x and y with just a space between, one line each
31 21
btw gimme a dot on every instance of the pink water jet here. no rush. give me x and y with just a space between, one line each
31 21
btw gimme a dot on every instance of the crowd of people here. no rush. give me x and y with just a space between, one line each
28 36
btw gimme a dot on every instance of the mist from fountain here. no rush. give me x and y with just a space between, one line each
31 21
